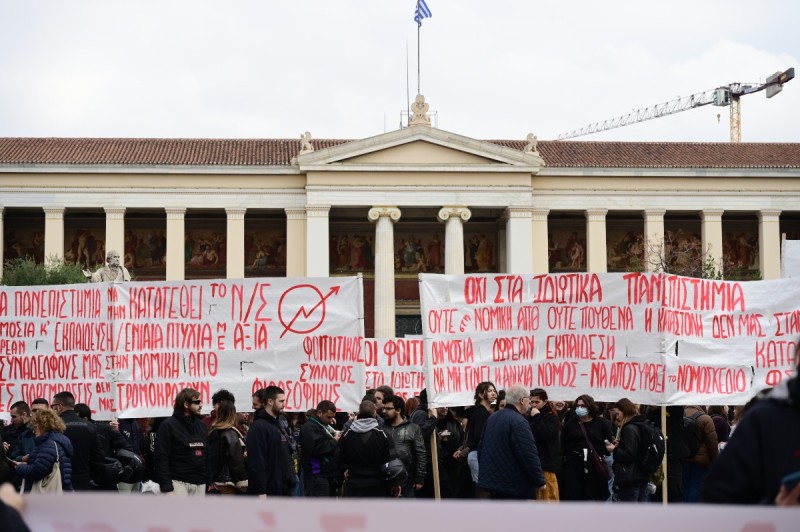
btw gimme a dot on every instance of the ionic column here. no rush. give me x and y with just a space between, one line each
296 242
769 244
384 269
115 230
596 258
454 217
540 241
176 267
711 234
2 240
653 237
317 237
519 236
234 269
53 233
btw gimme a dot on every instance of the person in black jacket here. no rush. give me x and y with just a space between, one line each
111 441
364 450
584 433
630 482
227 470
88 460
408 444
763 448
485 395
180 455
319 447
269 461
546 428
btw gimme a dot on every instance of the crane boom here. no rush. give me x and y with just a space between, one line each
721 96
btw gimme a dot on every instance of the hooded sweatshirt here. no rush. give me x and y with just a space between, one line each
364 450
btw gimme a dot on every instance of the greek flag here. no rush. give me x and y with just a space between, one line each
421 12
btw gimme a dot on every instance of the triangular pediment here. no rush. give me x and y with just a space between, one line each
420 148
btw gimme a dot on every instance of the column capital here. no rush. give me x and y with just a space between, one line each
235 213
115 213
769 215
381 211
175 213
517 212
453 211
596 215
53 213
295 213
711 215
317 211
654 213
540 215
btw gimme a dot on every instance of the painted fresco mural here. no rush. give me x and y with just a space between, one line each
84 241
205 248
625 249
566 245
264 249
23 241
146 248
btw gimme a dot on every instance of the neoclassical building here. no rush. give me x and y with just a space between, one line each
414 200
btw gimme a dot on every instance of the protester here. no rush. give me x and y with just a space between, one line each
719 415
761 451
365 448
216 399
111 442
20 415
269 462
509 461
319 452
485 395
630 481
546 429
583 435
382 394
226 452
51 446
449 439
88 460
180 455
706 451
408 444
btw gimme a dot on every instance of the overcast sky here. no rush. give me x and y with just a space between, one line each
491 69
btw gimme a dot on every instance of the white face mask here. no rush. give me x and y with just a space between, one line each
582 411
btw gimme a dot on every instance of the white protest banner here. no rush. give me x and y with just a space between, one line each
105 512
396 362
653 338
126 349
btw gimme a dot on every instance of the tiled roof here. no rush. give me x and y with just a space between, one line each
278 152
664 154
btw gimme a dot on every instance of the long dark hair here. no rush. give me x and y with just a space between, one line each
481 389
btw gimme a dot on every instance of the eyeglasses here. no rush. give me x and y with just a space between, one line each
196 401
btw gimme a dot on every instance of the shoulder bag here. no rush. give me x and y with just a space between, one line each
599 464
51 483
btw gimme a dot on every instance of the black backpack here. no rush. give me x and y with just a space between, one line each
690 432
653 447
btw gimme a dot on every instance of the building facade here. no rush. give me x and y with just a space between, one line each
415 200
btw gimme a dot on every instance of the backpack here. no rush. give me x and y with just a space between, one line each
653 447
690 432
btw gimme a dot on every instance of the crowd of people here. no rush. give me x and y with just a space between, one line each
510 444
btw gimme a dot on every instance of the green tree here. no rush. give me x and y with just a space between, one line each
25 272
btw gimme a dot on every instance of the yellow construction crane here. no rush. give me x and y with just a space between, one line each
728 95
